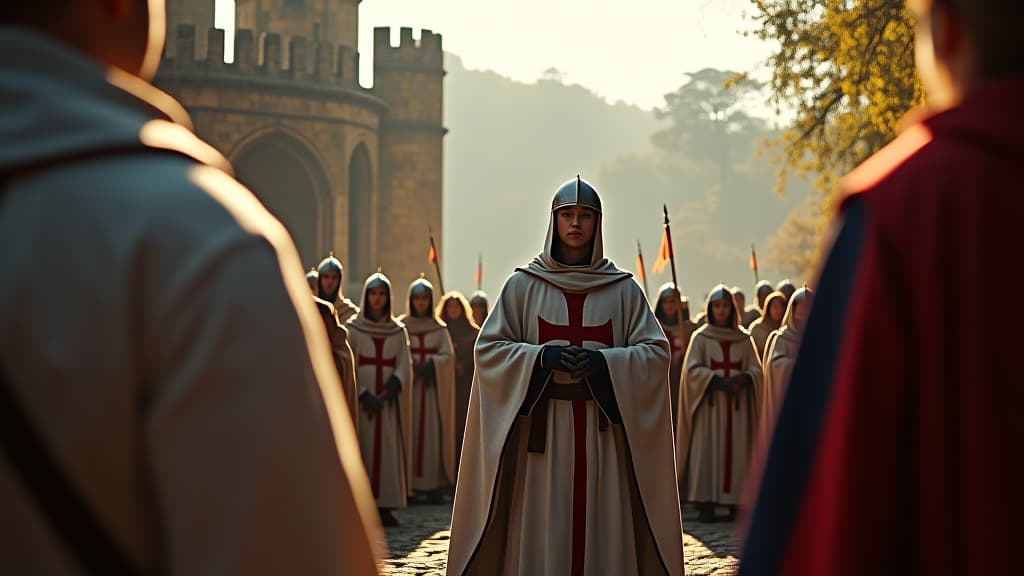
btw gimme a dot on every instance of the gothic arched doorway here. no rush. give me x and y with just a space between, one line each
360 195
287 178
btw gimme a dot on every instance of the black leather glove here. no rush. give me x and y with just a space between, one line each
594 365
572 357
393 384
719 384
739 382
370 403
426 370
739 385
557 358
578 359
583 364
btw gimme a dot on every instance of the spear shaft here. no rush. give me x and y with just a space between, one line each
684 401
437 262
672 261
753 261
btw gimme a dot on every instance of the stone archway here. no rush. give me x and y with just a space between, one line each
286 176
360 215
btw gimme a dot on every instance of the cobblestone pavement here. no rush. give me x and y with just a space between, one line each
419 546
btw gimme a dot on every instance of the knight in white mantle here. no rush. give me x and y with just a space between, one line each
570 422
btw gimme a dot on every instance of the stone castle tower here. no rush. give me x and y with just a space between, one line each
351 170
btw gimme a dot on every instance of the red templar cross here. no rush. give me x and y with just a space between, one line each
424 354
575 333
422 349
380 362
727 367
675 340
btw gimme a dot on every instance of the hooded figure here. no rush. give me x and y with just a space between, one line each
433 403
380 347
763 289
780 355
747 313
330 268
787 288
479 304
722 381
668 314
762 328
454 311
569 427
337 335
313 279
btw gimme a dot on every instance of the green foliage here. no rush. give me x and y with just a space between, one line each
847 69
710 106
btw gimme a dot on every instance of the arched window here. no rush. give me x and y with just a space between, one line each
287 178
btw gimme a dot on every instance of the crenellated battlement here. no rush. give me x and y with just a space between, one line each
426 52
308 61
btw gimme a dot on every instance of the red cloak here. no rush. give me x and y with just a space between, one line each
895 450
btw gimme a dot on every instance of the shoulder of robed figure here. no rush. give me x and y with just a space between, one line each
905 174
631 287
516 283
699 336
166 200
186 215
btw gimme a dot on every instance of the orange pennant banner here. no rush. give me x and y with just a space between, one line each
664 255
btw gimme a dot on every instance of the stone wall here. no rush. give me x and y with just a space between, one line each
310 95
410 78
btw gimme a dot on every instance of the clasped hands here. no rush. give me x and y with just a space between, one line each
373 403
572 359
731 385
425 372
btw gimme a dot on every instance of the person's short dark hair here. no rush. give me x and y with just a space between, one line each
994 26
28 11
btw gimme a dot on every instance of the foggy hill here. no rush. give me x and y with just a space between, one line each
510 144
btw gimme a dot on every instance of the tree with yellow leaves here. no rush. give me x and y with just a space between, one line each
846 67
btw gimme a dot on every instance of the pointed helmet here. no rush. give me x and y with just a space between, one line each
576 192
420 286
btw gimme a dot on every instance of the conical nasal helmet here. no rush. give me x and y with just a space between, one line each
576 192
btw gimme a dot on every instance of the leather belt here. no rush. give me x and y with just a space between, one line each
577 392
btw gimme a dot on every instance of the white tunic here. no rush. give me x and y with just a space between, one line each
722 427
594 501
433 406
381 349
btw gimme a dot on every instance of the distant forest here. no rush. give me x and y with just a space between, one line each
511 144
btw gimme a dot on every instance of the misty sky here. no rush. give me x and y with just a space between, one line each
633 51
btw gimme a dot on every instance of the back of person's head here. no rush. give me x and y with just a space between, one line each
126 34
992 26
